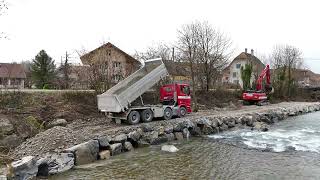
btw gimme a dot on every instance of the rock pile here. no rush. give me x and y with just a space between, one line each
127 138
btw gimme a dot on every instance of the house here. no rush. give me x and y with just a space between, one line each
113 63
305 77
77 79
232 73
12 75
179 72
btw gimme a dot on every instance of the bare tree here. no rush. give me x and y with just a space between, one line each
285 59
187 44
213 51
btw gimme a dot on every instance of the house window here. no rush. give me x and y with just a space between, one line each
238 66
116 64
117 77
234 74
236 81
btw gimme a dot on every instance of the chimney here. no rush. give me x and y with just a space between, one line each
252 52
245 50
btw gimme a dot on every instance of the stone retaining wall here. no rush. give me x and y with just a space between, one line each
147 134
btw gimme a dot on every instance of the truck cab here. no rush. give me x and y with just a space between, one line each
178 95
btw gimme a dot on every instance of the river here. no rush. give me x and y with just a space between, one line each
289 150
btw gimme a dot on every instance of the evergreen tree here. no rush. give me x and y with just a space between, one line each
43 70
246 76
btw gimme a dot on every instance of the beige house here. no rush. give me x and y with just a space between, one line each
232 73
113 63
12 76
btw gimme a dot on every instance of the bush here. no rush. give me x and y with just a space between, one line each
34 123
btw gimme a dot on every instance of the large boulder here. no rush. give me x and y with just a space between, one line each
168 129
159 140
26 168
178 136
121 138
170 136
186 133
57 122
196 131
127 146
86 152
150 136
104 142
260 126
169 148
223 127
55 163
135 135
11 141
115 148
6 128
104 154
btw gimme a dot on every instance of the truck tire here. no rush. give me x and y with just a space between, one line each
133 117
182 111
167 113
147 115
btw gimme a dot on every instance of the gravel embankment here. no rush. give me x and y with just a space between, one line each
59 138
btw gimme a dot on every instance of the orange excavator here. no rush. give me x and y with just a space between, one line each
260 95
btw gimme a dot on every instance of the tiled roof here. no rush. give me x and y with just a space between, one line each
8 70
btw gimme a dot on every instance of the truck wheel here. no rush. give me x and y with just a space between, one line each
167 114
133 117
182 111
147 115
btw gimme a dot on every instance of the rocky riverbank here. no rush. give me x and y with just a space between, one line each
102 143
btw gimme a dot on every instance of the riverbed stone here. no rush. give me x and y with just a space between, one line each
55 163
104 142
134 136
160 139
146 127
121 138
86 152
143 143
260 126
104 154
168 128
196 131
186 133
223 127
6 128
115 148
169 148
170 136
127 146
26 168
56 122
178 136
11 141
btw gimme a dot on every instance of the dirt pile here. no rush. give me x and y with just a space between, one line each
52 140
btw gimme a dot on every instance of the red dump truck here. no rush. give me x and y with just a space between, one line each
117 102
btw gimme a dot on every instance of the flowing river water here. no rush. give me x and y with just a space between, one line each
289 150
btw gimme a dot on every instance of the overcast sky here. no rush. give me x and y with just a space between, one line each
58 26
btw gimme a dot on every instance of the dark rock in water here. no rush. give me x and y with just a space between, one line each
104 142
159 140
115 148
121 138
170 136
290 149
127 146
86 152
186 133
26 168
58 163
178 136
196 131
223 127
143 143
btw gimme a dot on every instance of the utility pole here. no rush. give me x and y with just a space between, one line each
173 54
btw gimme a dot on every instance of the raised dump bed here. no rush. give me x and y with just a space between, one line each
119 97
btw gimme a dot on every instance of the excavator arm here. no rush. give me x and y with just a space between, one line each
264 74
